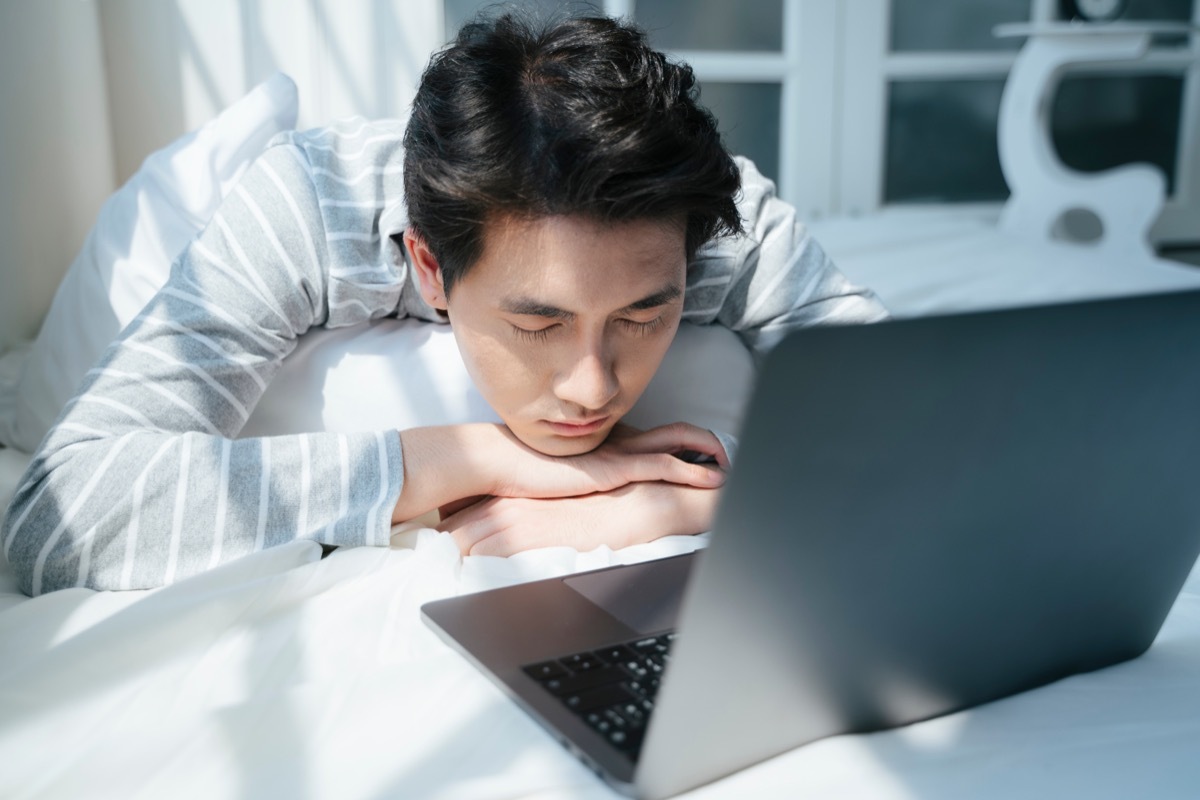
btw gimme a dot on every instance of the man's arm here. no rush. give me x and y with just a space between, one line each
443 465
773 279
141 481
634 514
663 495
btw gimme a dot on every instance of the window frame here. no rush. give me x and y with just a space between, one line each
834 70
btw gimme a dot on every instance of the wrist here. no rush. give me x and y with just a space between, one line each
673 509
664 509
447 463
693 509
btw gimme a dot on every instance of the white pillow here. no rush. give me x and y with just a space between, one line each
407 373
128 254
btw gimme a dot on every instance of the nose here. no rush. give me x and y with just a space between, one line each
589 381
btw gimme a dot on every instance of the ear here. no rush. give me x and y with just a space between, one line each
429 272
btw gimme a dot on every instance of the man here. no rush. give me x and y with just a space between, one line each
565 203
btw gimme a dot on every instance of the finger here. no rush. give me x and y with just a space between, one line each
671 439
454 506
664 467
622 431
508 541
677 438
471 525
497 544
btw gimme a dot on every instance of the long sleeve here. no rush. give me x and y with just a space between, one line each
141 481
775 278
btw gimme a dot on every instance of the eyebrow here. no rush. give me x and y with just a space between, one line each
526 307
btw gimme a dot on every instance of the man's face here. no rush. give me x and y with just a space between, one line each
563 321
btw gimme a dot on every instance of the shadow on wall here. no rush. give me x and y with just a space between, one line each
147 49
55 151
172 66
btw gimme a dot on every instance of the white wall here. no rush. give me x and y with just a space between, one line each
173 64
89 88
56 163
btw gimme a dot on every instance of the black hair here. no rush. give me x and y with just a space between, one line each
574 116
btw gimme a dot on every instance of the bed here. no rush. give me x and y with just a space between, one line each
286 674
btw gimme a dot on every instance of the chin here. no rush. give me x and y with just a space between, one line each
563 445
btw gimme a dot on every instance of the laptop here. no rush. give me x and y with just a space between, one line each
925 515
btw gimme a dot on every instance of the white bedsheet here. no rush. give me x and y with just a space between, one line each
283 675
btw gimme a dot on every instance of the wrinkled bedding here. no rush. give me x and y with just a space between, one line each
288 675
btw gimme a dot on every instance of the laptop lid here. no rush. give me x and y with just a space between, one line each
931 514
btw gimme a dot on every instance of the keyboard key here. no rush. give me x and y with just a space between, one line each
633 713
599 698
629 741
644 687
636 688
616 654
615 719
599 722
545 671
573 684
636 669
581 662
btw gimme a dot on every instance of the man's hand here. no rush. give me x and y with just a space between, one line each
627 456
676 439
632 514
444 465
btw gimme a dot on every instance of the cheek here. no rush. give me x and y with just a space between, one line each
654 348
508 380
640 359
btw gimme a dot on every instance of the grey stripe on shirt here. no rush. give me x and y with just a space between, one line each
142 480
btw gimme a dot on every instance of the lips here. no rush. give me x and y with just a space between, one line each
584 428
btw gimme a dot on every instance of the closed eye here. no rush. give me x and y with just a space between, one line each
535 335
642 328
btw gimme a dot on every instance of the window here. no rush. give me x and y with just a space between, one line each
855 105
921 89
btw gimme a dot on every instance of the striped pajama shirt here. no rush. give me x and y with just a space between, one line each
142 481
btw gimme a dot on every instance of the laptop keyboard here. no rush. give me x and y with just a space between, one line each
612 689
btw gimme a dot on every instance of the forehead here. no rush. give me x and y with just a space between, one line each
578 263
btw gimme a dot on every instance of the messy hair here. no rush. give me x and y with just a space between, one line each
575 116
